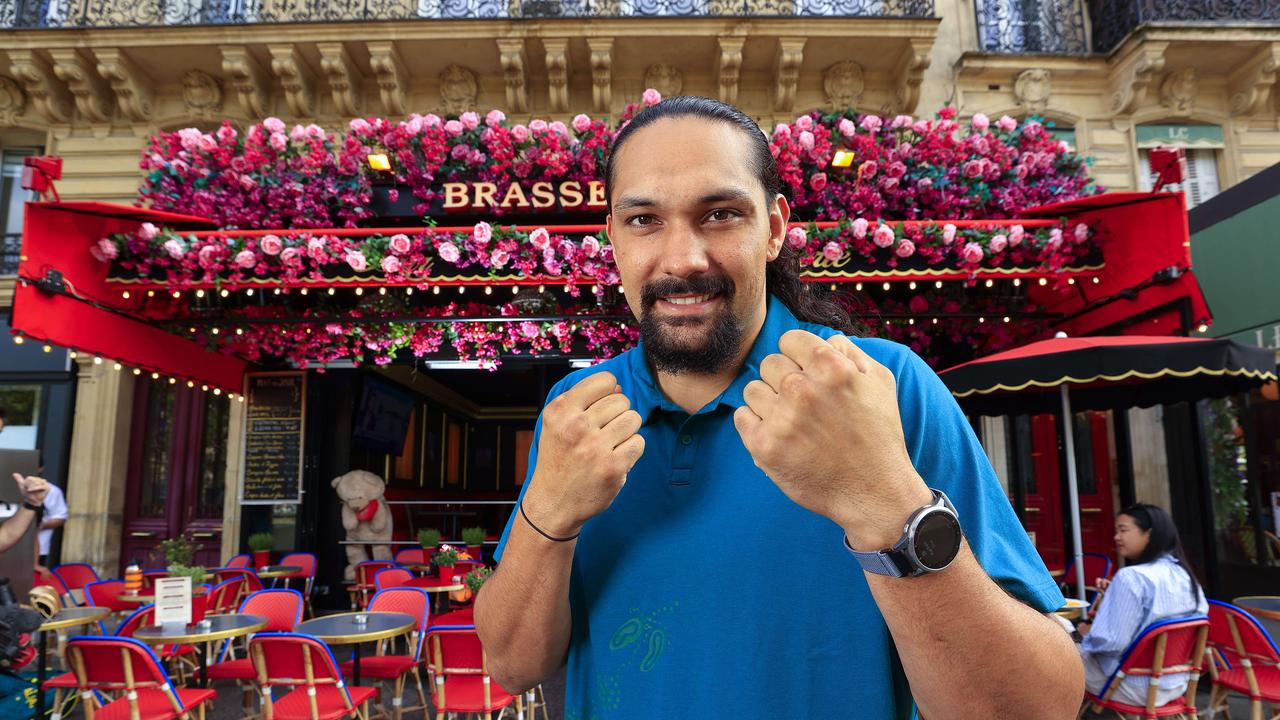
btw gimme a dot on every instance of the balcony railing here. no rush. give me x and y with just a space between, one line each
10 250
143 13
1032 26
1113 20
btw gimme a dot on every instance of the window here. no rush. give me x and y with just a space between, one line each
22 422
1202 175
12 197
1039 26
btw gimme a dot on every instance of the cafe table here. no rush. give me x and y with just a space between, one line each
62 620
1074 608
200 634
354 628
268 572
440 587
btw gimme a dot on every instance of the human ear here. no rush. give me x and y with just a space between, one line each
779 216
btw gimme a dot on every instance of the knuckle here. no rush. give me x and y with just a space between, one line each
796 385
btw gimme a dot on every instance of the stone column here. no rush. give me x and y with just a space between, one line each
99 463
231 500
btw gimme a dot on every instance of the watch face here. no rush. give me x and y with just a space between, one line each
937 540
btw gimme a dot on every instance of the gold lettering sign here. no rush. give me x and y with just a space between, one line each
484 195
822 263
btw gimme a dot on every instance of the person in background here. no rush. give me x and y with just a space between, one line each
54 516
1154 585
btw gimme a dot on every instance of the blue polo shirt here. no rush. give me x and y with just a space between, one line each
703 591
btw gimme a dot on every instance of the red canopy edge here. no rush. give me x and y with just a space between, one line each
62 320
129 212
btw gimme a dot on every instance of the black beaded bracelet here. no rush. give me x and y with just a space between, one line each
543 534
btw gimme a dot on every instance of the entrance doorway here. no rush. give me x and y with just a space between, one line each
177 473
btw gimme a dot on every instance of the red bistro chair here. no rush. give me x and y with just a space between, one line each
365 585
145 615
1167 647
252 583
305 664
397 668
106 593
282 607
460 669
413 556
1245 659
223 597
307 562
1096 567
76 575
243 560
391 577
127 667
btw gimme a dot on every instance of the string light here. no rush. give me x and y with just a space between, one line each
331 291
935 321
858 287
225 292
97 359
213 330
1071 281
515 289
1043 282
1017 282
303 291
462 289
937 284
249 292
239 331
176 295
1096 280
151 293
204 388
408 291
911 285
239 398
173 381
833 287
990 282
217 391
191 383
382 291
125 294
155 376
886 286
18 340
435 290
911 321
1006 318
48 348
276 291
982 319
359 291
73 354
542 288
488 290
137 371
116 366
200 293
622 290
191 329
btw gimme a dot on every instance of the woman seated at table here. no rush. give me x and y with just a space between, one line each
1155 585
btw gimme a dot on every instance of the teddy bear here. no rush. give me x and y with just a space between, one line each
365 516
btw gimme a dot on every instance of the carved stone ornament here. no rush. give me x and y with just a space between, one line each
666 79
557 50
459 89
12 100
511 54
601 73
49 96
1134 75
392 79
786 72
843 83
295 77
1031 89
248 79
201 94
729 68
92 94
342 75
132 86
1252 87
1178 91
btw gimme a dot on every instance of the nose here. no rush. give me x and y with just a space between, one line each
684 252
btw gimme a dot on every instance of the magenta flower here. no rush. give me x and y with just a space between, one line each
540 238
1015 235
581 123
998 243
797 237
817 181
905 248
860 228
972 253
1081 232
499 258
390 264
482 233
271 245
448 252
148 231
356 260
590 246
174 249
883 236
651 97
1007 123
291 256
833 251
1055 238
980 122
246 259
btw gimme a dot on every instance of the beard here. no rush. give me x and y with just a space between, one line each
665 348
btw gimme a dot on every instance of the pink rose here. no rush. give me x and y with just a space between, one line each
207 143
499 258
271 245
273 125
883 236
315 131
1015 235
226 133
806 140
1055 238
470 120
494 118
400 243
1064 147
590 246
359 126
558 128
782 130
390 264
566 249
460 152
316 247
901 121
651 97
1081 232
278 142
108 249
415 125
980 122
948 232
448 252
148 231
871 123
846 127
298 133
174 248
334 329
431 120
1007 123
973 169
921 127
538 125
540 238
246 259
867 169
291 256
581 123
817 181
208 255
860 228
453 128
998 243
896 169
483 232
833 251
520 133
906 248
356 260
972 253
804 122
797 238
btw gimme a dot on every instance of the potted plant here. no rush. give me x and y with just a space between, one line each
429 539
261 544
444 560
178 551
473 538
471 584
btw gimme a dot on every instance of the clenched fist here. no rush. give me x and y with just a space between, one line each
589 443
822 422
33 488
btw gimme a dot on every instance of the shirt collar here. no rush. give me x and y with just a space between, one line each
646 396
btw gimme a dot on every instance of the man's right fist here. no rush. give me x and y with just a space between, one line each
588 444
33 488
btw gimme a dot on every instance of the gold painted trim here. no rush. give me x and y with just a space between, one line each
280 571
1260 374
933 272
200 637
54 623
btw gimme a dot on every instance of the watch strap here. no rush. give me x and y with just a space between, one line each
32 508
894 561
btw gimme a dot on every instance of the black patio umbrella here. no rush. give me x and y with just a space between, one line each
1100 373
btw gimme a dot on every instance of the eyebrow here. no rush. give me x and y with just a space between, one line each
727 194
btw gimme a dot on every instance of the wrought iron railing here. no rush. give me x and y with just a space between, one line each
1032 26
1113 20
10 250
136 13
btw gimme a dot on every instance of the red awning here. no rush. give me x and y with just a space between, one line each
77 309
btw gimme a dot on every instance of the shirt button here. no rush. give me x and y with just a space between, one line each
686 439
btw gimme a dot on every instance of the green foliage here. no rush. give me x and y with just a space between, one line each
446 556
473 536
476 578
178 551
1226 465
429 538
195 572
261 541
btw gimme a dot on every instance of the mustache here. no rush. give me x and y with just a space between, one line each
696 285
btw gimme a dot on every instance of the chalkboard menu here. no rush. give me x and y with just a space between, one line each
273 439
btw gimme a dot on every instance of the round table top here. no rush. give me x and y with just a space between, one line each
342 629
1073 608
431 584
274 571
75 617
220 627
1266 606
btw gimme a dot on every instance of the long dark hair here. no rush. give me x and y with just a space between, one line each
1162 541
782 275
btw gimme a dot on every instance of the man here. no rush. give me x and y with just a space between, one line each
683 540
54 516
33 493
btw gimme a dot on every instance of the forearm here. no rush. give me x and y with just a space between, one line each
52 523
15 527
970 650
522 612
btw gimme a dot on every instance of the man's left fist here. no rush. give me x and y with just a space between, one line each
822 422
